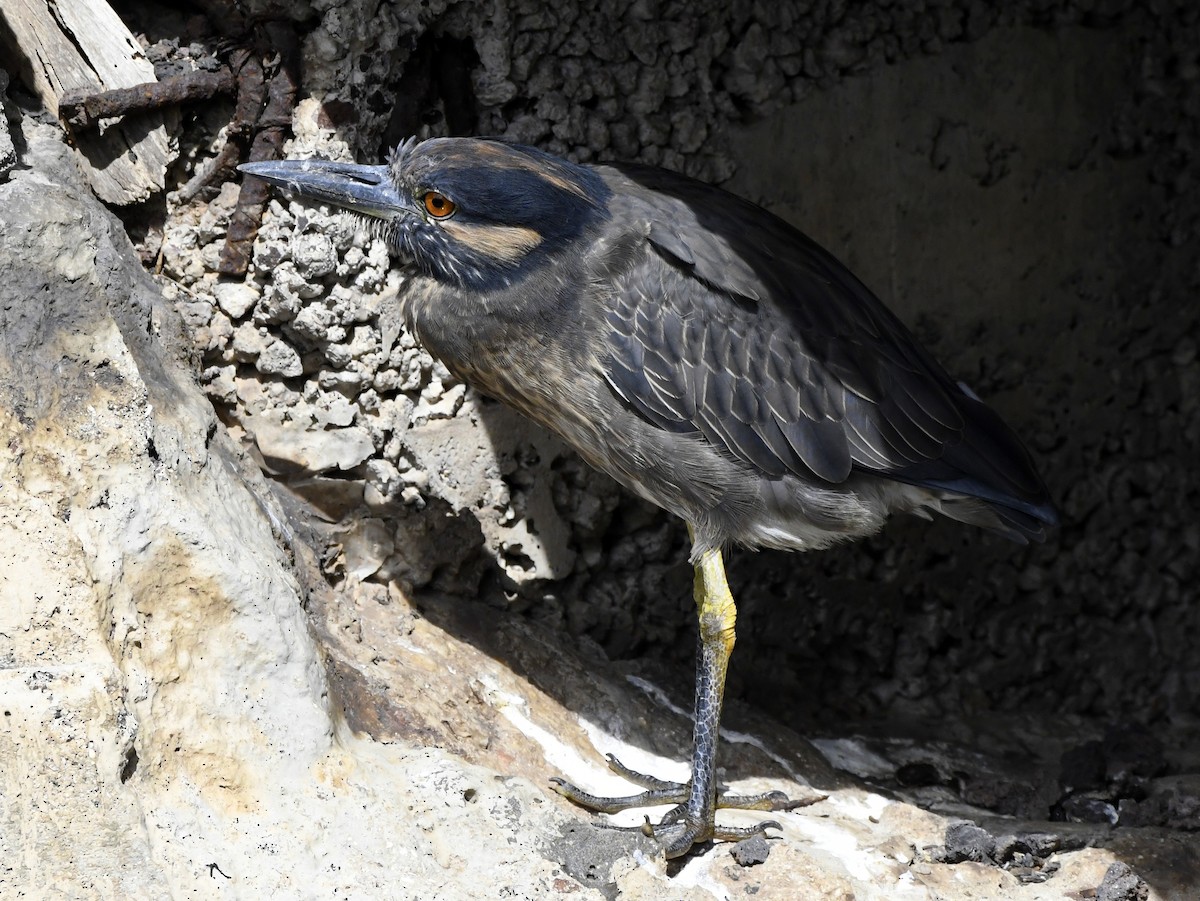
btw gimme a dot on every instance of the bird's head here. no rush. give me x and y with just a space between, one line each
469 212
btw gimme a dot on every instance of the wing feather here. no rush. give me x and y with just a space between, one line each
733 325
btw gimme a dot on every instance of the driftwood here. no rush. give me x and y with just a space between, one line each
66 46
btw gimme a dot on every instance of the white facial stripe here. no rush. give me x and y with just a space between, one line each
506 243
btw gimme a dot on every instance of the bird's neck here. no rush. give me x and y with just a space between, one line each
511 344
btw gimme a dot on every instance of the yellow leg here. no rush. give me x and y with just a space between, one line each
714 603
693 819
718 621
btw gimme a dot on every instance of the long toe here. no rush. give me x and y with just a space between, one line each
674 793
650 782
773 800
737 833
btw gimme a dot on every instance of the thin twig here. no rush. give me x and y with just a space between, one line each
82 109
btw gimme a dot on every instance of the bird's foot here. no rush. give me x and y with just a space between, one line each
678 836
680 828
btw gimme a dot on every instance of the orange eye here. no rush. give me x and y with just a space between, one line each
439 206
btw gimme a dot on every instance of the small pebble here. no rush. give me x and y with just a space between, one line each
966 841
1120 883
751 851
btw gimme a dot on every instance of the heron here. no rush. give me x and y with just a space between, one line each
699 350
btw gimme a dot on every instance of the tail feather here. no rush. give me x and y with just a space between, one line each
988 479
1016 525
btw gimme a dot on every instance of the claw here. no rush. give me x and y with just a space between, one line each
737 833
